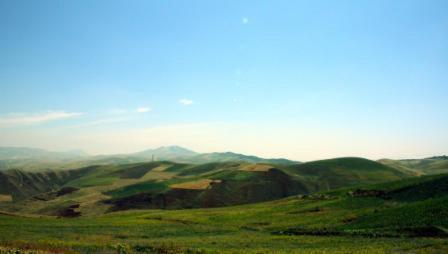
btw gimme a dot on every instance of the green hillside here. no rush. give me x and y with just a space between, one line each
169 185
232 157
339 172
380 218
433 165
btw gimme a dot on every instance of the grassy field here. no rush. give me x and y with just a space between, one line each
332 222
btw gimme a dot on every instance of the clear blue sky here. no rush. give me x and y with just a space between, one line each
297 79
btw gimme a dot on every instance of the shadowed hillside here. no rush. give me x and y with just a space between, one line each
22 185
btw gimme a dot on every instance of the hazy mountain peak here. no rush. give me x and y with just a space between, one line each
173 148
167 152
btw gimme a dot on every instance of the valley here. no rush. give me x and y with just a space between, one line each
335 221
336 205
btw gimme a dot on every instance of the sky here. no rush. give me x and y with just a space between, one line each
303 80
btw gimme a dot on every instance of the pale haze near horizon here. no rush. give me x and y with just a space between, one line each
296 79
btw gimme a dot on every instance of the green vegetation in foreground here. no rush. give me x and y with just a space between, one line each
331 222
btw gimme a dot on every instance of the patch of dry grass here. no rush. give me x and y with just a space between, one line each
5 198
256 167
196 185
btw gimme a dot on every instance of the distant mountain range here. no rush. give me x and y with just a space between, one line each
39 159
26 153
183 155
34 159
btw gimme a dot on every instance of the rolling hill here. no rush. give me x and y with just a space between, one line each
339 172
428 166
169 185
403 216
232 157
